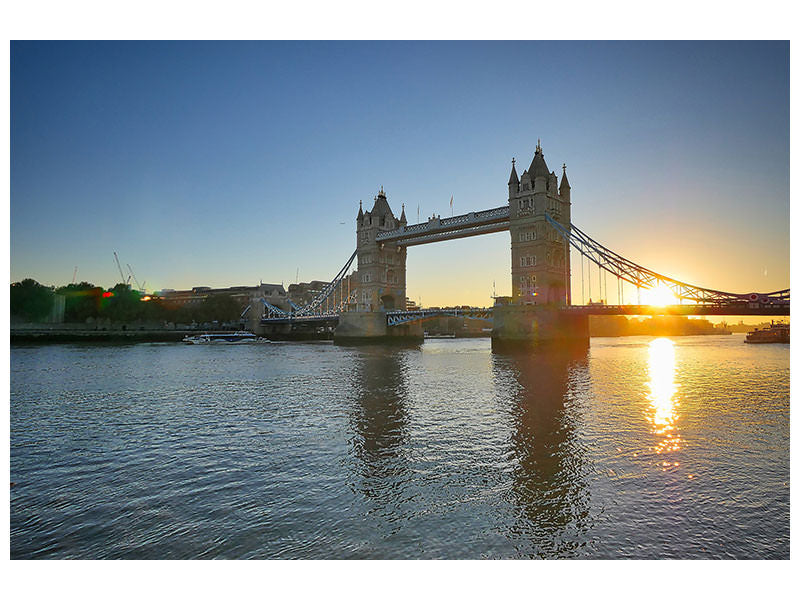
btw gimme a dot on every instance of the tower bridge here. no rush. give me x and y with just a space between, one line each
537 215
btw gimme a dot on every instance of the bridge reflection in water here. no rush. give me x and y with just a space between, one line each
460 453
550 475
506 454
379 419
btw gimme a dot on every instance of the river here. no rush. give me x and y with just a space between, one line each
636 448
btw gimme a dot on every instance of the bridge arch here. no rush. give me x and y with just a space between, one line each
388 302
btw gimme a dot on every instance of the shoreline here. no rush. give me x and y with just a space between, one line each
59 336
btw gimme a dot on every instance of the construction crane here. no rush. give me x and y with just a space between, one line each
121 274
141 287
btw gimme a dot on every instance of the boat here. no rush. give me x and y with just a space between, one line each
234 337
438 336
776 333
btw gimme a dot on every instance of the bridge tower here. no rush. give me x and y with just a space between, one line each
539 255
381 272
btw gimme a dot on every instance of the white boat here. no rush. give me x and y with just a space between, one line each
234 337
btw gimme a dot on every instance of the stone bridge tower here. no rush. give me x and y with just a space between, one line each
539 255
381 272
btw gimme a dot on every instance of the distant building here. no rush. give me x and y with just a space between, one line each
304 293
244 295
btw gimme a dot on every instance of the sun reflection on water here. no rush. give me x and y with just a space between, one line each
662 411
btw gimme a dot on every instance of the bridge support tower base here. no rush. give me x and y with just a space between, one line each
371 328
528 327
280 329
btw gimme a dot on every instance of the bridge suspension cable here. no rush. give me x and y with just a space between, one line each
611 262
317 301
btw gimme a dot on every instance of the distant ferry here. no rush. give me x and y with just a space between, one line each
236 337
438 336
777 333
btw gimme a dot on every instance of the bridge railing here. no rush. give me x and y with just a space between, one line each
398 317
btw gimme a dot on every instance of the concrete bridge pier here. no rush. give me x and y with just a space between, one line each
529 327
371 328
273 329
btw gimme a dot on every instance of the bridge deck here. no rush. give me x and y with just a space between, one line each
399 316
739 309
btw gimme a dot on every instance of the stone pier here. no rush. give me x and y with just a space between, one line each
371 328
528 327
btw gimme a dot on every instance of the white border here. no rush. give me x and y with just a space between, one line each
149 19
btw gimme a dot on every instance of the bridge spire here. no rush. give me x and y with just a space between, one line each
403 215
513 179
564 181
538 166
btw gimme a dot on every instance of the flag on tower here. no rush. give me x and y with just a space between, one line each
451 202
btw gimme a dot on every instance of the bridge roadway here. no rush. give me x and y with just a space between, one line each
737 309
398 317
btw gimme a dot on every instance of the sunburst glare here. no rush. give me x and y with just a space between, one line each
659 295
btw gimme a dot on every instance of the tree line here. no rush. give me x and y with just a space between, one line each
33 302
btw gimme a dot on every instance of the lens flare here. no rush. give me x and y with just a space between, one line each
660 295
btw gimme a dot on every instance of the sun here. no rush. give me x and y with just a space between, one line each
660 295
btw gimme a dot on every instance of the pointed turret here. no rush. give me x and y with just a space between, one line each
513 181
360 216
564 193
538 166
564 181
513 178
403 220
382 211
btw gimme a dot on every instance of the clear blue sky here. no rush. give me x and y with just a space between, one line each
228 163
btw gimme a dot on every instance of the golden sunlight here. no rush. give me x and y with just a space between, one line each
662 412
660 295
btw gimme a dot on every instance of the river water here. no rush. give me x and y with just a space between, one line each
637 448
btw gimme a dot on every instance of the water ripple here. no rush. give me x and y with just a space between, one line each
447 451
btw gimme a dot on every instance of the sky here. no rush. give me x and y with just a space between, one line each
230 163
